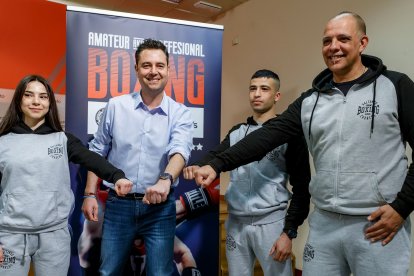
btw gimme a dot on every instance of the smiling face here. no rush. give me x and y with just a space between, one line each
35 104
263 95
342 45
152 71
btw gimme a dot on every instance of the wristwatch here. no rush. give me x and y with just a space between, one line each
166 176
291 233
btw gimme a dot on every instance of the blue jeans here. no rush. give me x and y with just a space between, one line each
124 220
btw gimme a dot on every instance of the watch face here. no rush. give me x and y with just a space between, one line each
292 234
165 176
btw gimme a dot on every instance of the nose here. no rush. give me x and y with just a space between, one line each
153 70
334 44
36 99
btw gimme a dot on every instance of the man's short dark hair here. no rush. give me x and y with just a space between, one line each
264 73
151 44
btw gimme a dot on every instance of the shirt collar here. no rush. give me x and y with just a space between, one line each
161 109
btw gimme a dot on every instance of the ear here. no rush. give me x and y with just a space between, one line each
364 43
277 96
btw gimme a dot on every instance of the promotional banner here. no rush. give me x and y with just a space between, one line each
100 65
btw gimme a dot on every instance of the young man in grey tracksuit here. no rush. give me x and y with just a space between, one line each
260 224
356 120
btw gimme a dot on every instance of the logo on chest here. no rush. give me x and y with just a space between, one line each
365 110
55 151
273 155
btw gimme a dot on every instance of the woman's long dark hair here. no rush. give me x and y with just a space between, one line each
14 114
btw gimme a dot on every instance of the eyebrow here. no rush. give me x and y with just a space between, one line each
339 36
150 62
261 86
34 92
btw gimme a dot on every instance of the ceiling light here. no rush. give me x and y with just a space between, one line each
172 1
208 6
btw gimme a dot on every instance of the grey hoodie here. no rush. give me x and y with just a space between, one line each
258 192
36 194
357 141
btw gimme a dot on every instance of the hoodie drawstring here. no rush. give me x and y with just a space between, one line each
24 249
247 130
373 108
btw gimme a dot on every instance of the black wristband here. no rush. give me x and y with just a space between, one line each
191 271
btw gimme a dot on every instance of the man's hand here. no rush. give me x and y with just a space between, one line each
90 208
281 249
387 224
189 172
123 186
205 175
157 193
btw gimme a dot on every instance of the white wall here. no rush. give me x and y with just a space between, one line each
285 36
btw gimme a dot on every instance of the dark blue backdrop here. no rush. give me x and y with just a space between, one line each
96 72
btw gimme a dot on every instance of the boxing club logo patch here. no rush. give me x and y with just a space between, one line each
274 154
9 259
55 151
308 253
365 110
230 243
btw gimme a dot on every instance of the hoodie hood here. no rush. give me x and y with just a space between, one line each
22 128
251 121
323 81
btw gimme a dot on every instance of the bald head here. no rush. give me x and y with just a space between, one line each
343 42
359 22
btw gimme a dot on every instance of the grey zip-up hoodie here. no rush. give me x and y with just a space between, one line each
257 192
36 194
357 141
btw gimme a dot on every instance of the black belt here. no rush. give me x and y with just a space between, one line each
130 196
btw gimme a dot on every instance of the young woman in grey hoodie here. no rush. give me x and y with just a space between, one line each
36 197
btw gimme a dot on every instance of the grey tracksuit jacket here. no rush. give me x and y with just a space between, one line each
36 193
257 192
357 141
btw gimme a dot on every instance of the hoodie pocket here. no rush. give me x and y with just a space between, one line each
30 210
359 190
